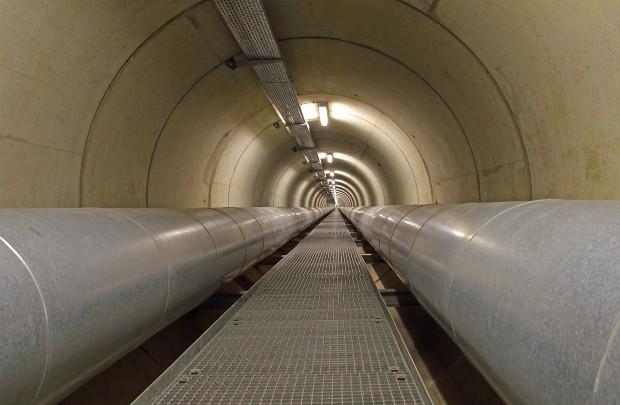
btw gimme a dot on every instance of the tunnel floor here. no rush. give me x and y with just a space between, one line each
314 329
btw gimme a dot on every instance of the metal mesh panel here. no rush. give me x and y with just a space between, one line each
274 73
250 26
303 138
313 330
313 157
285 101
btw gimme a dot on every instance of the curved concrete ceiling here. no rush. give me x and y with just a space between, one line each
131 104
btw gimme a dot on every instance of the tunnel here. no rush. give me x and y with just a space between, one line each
155 152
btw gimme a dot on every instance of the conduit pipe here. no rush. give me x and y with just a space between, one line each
529 290
79 288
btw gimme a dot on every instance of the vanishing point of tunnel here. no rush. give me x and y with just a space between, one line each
309 201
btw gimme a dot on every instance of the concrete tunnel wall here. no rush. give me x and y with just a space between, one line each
129 104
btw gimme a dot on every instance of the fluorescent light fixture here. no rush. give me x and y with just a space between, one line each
310 111
323 115
322 155
332 174
330 158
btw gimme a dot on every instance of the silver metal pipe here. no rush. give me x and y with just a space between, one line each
529 290
79 288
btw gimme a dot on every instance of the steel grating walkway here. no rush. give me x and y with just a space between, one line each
313 330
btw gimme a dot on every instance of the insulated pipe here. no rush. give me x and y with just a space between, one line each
79 288
530 291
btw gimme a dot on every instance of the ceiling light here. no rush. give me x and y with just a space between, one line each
331 174
310 111
323 115
330 158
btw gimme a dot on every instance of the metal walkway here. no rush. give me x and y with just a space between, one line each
313 330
